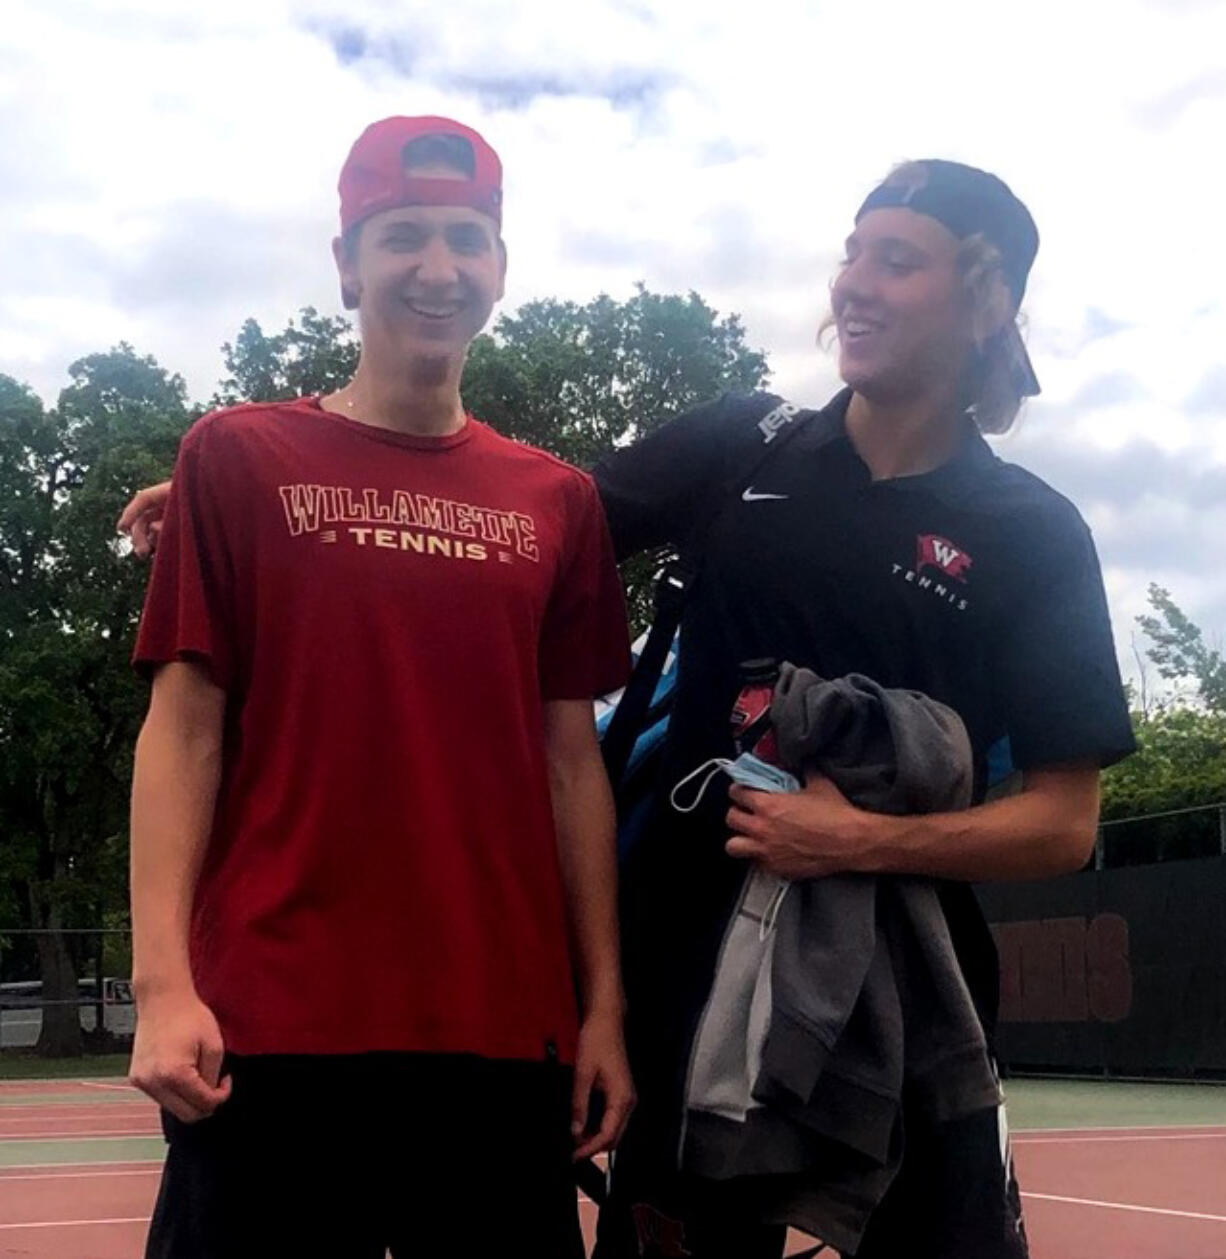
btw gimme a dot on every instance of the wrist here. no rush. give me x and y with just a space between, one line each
882 844
608 1002
162 984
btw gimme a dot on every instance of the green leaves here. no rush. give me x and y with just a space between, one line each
315 355
1180 761
1181 740
69 703
580 380
1180 652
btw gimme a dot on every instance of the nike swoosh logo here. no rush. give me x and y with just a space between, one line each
750 495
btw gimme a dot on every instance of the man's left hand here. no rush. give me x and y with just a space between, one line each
601 1067
803 834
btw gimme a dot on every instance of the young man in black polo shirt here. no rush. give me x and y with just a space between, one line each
885 539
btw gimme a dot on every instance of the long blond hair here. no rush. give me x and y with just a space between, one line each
992 389
992 386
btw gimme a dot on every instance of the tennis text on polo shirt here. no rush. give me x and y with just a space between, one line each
399 520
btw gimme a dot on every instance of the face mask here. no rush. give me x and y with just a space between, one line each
747 769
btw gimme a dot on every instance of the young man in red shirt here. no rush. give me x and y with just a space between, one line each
372 840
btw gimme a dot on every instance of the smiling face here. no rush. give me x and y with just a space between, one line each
424 278
900 307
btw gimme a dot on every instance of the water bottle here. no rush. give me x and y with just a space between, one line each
751 711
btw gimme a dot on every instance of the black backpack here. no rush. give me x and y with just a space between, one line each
632 727
633 724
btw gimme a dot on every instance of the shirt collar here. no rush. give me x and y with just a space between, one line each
969 462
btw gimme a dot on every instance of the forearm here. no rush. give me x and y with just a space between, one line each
175 780
1035 834
587 855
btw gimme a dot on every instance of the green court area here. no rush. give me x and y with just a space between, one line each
56 1118
81 1151
1050 1104
51 1097
1033 1103
15 1065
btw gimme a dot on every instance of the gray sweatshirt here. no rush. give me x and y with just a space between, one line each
834 996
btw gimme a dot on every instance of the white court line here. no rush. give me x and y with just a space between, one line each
16 1137
1125 1206
129 1219
98 1084
36 1167
74 1110
148 1171
74 1136
1169 1136
1141 1128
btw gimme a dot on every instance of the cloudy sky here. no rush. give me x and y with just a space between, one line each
167 169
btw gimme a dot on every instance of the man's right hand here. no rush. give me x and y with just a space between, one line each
142 517
177 1055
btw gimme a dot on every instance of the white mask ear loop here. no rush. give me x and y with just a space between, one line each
712 767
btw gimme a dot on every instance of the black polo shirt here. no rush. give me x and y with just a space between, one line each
975 583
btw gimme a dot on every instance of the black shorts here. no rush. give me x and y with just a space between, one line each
352 1157
955 1197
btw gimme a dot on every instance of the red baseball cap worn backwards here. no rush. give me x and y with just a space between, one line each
374 177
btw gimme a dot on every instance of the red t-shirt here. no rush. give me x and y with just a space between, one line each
386 614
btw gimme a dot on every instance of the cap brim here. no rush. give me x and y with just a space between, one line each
1027 382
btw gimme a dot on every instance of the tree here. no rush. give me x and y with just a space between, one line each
318 354
580 381
1180 762
1179 650
69 704
575 380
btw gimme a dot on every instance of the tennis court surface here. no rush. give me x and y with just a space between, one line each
1108 1170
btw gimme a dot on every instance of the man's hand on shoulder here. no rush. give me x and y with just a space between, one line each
142 517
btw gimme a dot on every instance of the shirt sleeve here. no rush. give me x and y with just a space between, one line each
189 605
1058 679
584 647
658 489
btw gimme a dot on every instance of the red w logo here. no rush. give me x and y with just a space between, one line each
937 552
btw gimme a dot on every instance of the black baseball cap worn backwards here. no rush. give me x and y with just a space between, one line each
968 202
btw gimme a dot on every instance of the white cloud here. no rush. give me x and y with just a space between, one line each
167 169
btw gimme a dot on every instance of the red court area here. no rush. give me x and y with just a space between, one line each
79 1165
